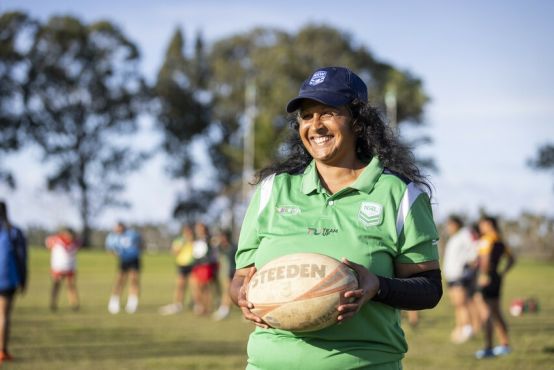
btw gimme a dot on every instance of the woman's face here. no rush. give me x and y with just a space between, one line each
485 227
452 227
326 133
200 230
187 232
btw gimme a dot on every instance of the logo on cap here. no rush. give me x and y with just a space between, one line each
318 78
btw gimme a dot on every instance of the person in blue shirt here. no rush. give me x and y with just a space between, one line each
126 244
13 274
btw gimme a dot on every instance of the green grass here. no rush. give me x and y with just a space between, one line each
94 339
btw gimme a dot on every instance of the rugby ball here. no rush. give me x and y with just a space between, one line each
300 292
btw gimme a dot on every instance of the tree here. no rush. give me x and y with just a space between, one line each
276 62
82 100
544 160
279 62
183 117
14 26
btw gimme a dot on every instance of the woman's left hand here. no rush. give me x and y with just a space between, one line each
368 286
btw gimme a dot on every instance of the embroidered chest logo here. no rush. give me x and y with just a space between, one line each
288 210
322 231
370 214
318 78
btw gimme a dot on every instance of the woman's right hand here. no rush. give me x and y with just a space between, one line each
243 278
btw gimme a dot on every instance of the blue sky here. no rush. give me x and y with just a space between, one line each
487 66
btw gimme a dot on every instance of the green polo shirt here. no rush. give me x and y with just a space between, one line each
376 221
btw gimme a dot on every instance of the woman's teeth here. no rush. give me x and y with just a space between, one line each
321 139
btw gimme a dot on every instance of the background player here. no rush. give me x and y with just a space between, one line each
63 248
182 248
459 256
491 251
13 274
127 245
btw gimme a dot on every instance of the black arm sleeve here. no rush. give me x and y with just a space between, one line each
417 292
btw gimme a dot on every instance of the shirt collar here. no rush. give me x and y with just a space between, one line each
364 182
369 176
310 180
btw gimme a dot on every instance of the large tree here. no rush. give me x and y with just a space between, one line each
183 114
82 101
273 63
278 62
15 29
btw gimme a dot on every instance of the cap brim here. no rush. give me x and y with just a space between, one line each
327 98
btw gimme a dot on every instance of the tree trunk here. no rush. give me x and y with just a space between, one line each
85 233
84 206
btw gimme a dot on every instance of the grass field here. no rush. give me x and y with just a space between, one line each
94 339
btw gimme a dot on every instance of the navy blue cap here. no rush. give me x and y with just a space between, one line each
333 86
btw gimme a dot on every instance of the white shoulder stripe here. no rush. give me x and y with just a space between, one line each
410 195
265 192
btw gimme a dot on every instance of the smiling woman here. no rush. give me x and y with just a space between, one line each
348 173
327 134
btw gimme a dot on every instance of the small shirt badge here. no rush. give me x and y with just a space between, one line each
370 214
288 210
317 78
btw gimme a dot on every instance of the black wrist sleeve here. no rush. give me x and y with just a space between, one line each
417 292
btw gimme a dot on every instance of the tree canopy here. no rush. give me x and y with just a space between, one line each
544 160
279 61
183 114
14 26
75 91
82 98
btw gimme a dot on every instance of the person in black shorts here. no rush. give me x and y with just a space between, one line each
127 245
491 251
459 272
182 249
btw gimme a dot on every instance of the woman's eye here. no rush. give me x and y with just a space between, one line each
306 116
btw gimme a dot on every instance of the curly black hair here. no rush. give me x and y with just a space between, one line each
374 139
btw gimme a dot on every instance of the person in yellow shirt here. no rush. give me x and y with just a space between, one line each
491 251
182 248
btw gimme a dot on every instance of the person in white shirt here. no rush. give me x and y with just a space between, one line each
459 271
63 247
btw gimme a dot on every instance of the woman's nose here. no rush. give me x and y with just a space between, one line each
317 121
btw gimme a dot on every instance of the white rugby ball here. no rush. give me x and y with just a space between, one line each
300 292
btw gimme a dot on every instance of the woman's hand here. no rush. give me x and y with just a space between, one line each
243 302
368 286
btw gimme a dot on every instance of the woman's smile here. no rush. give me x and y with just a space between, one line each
321 140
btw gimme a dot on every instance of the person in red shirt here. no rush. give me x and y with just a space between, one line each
63 247
205 269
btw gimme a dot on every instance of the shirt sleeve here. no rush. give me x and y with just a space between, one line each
417 240
485 246
249 237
